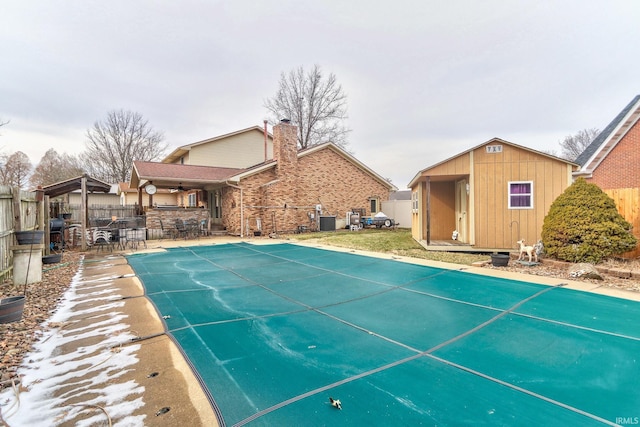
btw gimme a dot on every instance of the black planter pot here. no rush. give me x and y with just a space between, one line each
500 260
52 259
11 309
31 237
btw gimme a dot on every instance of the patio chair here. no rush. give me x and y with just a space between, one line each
118 229
102 239
136 236
193 228
204 227
180 229
164 231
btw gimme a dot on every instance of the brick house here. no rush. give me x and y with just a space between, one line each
612 161
289 191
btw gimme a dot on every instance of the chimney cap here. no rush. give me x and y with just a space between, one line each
286 121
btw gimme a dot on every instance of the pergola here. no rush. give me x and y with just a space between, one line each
87 185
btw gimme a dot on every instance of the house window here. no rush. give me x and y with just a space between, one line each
373 205
414 201
192 200
521 195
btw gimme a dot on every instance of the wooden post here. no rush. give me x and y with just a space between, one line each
428 210
46 218
84 212
17 212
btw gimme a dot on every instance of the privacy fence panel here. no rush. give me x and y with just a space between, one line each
628 203
6 229
9 199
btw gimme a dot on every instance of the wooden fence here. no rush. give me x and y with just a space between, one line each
628 202
18 211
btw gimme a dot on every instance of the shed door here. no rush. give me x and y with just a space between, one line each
461 210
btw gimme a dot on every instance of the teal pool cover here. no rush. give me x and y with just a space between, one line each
273 331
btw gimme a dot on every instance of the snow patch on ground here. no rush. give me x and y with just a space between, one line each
78 386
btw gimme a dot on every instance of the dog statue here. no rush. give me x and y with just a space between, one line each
529 250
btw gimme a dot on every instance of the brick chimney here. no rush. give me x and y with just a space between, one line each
285 150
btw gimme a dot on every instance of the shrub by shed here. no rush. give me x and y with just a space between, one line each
583 225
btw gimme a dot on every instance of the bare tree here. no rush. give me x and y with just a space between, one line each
114 143
54 167
573 145
317 105
15 169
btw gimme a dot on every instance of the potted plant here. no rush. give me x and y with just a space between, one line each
53 258
499 260
11 309
29 237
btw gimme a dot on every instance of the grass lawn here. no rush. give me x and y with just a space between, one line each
397 242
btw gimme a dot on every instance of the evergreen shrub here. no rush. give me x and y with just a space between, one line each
583 225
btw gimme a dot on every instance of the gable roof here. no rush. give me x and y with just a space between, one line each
67 186
492 140
183 150
309 151
606 140
348 157
171 174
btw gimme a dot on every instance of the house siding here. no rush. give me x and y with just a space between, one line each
496 225
236 151
621 167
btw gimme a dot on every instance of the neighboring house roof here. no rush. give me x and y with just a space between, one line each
123 187
182 151
400 195
492 140
114 190
169 174
606 140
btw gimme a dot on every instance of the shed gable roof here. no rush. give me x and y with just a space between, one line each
606 140
491 141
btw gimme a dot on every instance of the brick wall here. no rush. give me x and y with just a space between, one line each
621 168
336 183
283 197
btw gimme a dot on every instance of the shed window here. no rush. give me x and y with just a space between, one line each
521 195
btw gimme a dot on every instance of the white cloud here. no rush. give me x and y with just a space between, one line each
424 79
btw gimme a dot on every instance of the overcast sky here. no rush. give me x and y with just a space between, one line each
425 80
